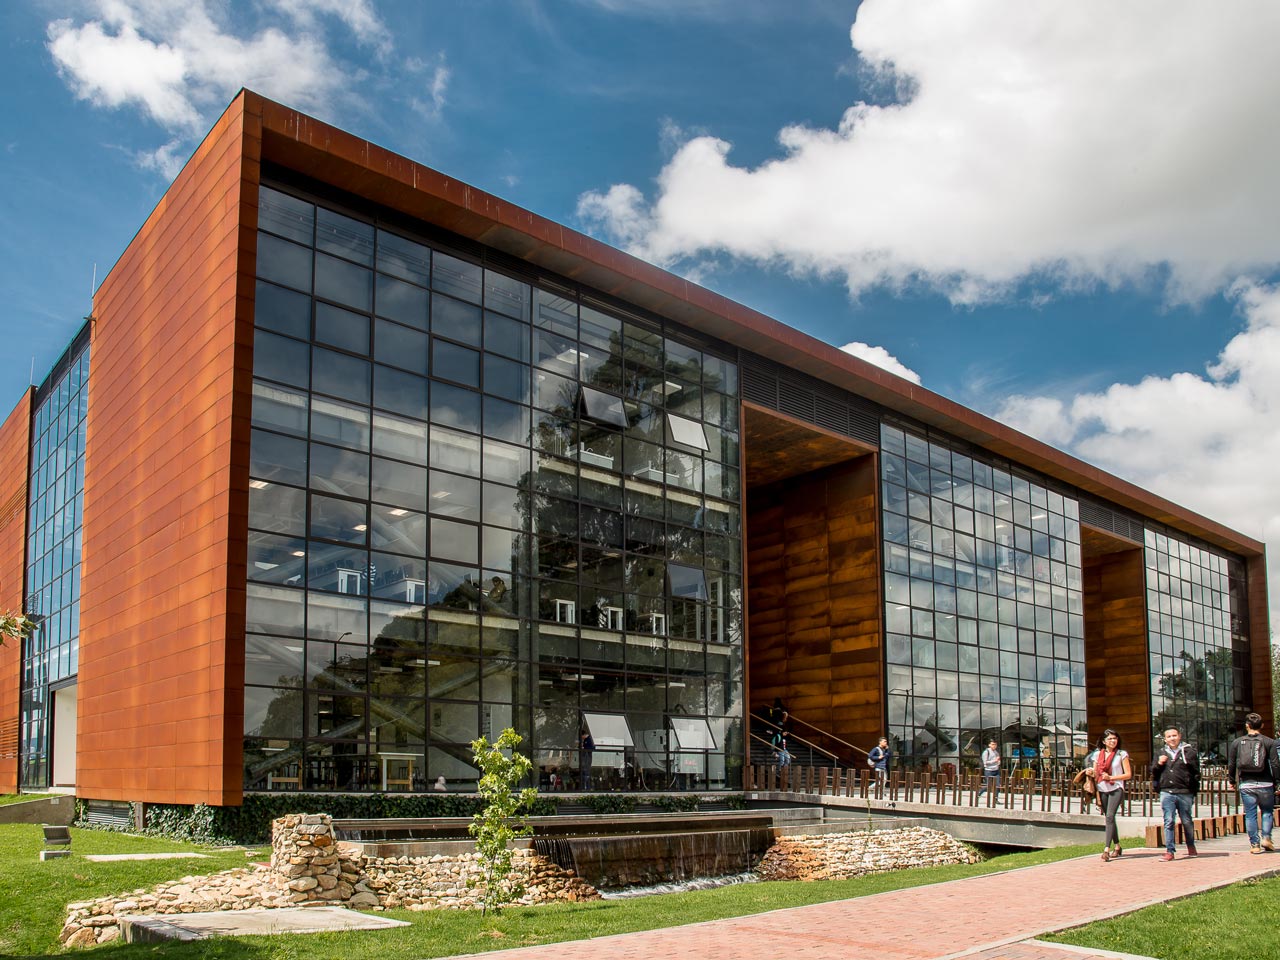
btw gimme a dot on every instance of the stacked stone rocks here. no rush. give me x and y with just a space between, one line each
844 855
309 868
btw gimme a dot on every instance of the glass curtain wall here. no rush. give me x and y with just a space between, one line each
475 503
983 609
56 496
1196 623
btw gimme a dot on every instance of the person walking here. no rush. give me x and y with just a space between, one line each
879 758
782 757
1250 772
1111 771
1175 775
991 767
586 747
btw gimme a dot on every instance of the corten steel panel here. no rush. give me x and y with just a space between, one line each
325 153
1117 672
15 446
814 601
1260 640
163 604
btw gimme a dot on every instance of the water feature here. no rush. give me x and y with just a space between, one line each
697 883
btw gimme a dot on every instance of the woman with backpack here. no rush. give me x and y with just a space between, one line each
1111 771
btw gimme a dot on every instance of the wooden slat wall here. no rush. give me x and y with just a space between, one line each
1259 640
1117 673
814 599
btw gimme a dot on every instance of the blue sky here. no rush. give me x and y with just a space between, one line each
1059 214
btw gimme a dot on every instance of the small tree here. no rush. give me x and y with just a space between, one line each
500 822
14 625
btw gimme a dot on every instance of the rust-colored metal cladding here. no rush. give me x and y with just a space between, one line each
15 444
1260 650
162 619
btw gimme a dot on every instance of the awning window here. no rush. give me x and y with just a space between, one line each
689 583
692 733
686 432
604 408
608 730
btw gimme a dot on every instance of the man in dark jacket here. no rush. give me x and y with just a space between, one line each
1249 769
1175 775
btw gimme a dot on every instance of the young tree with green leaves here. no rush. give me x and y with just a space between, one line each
502 819
14 626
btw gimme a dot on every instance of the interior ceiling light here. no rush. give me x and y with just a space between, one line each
259 484
397 512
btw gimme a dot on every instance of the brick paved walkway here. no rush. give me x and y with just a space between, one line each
982 918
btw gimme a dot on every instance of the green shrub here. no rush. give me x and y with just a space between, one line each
680 803
609 803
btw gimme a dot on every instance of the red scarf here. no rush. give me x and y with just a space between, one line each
1105 760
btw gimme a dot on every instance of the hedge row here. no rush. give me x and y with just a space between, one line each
251 822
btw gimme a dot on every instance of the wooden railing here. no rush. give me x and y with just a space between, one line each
1047 793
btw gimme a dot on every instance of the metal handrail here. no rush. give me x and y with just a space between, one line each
794 718
800 739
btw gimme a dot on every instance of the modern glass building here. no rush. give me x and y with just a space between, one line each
368 463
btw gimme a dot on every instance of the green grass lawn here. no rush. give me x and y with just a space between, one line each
8 798
32 911
1233 923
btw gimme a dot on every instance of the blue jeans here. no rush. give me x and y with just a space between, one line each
1177 806
1258 800
990 780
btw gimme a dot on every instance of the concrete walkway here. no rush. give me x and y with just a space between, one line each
993 917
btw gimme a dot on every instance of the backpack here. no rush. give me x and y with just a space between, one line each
1251 756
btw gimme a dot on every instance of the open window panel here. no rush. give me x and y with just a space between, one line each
692 733
608 730
686 432
603 408
688 583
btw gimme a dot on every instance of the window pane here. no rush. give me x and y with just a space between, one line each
284 262
398 530
455 406
506 378
279 408
452 362
340 375
339 471
399 484
454 496
404 258
340 423
278 508
344 236
342 329
282 459
454 541
397 437
334 519
279 358
506 421
687 582
456 277
506 336
400 392
687 432
274 559
506 295
605 408
284 311
286 215
402 301
400 346
344 283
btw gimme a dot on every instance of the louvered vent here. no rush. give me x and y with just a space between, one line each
1106 518
109 813
809 399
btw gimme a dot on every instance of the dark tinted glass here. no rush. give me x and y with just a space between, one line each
348 238
339 375
279 358
339 471
455 320
400 392
506 336
344 283
455 406
273 457
284 262
506 378
452 362
400 346
284 311
342 328
456 277
288 216
404 258
402 301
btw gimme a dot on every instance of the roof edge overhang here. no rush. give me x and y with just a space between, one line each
296 141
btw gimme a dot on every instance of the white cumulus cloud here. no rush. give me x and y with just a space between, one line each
882 358
1209 440
1072 144
179 64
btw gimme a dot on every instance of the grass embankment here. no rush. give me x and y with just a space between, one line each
1233 923
32 911
8 798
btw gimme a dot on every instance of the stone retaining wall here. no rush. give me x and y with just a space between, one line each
838 856
308 867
